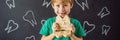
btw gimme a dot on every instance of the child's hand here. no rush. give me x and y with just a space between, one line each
55 27
69 31
71 28
56 30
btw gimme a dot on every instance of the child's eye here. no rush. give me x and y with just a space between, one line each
57 5
65 5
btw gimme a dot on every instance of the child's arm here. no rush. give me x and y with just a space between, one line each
50 37
72 36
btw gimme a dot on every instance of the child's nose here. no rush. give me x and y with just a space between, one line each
62 9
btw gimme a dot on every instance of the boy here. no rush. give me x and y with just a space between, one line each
51 26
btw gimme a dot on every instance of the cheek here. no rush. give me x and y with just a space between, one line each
68 10
56 11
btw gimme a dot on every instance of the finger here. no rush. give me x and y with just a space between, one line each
72 28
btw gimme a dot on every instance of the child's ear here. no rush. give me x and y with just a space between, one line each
52 5
71 5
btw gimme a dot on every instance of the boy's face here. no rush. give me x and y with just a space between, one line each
62 9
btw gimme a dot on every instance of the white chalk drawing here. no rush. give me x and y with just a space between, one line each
32 37
105 29
43 21
11 26
29 17
83 4
46 3
9 4
104 12
90 25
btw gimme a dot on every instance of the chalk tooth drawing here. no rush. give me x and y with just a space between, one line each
32 37
11 26
43 21
105 29
88 25
83 4
104 12
46 3
10 3
29 17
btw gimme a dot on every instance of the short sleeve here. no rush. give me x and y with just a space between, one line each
44 29
79 30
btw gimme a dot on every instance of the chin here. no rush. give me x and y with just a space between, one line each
62 15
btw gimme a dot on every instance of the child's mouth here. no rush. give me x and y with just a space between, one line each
62 13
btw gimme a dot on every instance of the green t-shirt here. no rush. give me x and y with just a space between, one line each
47 29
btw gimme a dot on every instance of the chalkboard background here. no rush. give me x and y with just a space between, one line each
22 19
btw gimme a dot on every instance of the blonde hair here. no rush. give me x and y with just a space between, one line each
64 1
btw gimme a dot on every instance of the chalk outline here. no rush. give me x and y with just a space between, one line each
9 27
32 36
88 25
102 14
32 22
46 3
42 21
83 4
104 31
10 5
